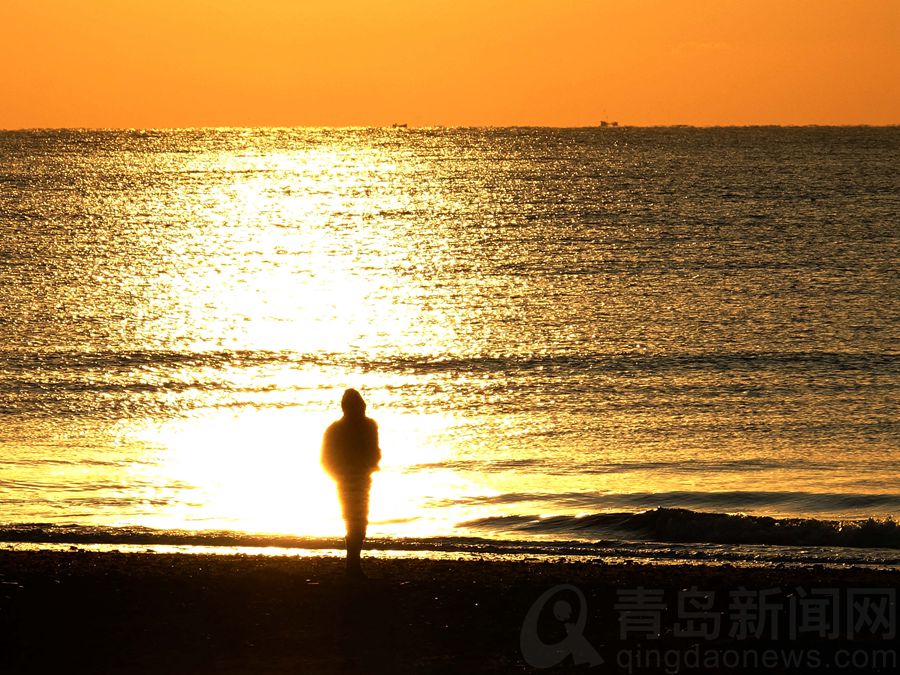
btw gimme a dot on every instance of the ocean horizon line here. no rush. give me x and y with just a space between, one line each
406 126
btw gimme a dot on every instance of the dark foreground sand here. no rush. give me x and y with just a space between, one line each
152 613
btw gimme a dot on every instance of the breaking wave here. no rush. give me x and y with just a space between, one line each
684 525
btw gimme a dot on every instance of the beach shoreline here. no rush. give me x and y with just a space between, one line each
82 611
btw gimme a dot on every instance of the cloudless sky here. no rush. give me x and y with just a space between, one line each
175 63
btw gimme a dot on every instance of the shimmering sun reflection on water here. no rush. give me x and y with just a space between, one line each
259 471
295 260
540 324
284 256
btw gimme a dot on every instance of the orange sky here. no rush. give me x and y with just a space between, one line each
174 63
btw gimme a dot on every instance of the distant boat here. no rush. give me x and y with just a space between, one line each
399 126
604 124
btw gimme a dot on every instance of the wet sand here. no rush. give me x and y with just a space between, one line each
73 612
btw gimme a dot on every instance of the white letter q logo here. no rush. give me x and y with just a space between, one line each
538 654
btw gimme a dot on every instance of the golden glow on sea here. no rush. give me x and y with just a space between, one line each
352 290
258 470
534 328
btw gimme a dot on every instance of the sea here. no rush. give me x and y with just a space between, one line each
652 344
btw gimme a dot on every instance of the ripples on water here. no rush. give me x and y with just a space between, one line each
543 321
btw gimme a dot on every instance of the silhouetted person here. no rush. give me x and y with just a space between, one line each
350 454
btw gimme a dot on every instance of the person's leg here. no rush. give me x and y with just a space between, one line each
354 541
355 502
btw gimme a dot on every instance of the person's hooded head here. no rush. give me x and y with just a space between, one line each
352 404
